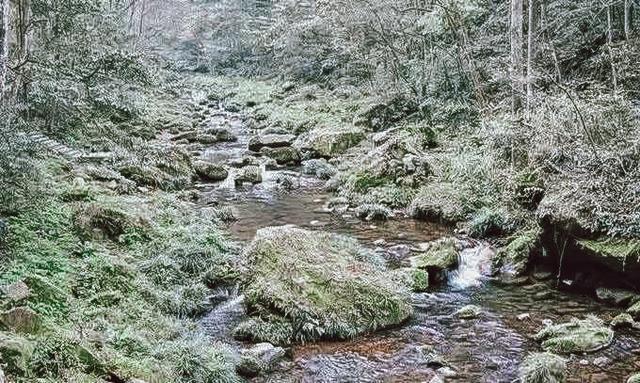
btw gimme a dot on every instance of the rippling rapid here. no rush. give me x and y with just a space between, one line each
435 345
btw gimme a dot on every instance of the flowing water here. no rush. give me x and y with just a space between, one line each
434 344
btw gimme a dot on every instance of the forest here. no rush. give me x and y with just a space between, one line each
227 191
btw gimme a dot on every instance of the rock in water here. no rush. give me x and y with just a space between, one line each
622 321
543 368
577 336
329 142
469 312
270 141
441 256
325 284
618 297
249 174
635 378
210 171
259 359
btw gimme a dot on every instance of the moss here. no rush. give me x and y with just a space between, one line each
635 378
488 222
273 329
323 283
514 258
543 368
415 279
622 321
444 201
442 255
106 220
373 212
634 310
577 336
609 247
329 142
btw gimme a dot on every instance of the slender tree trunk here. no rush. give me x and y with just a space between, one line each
627 19
4 44
530 53
614 76
547 42
24 38
516 35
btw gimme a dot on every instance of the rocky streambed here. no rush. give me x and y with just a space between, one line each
468 327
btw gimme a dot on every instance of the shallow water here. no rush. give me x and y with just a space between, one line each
487 349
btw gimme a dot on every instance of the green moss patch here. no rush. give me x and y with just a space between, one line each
577 336
325 285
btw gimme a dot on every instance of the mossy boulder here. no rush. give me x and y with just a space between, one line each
442 255
622 321
443 201
209 171
543 367
328 142
634 310
620 255
576 336
514 257
22 320
320 168
326 285
469 312
15 352
270 141
283 156
95 220
259 359
415 279
249 174
373 212
616 297
635 378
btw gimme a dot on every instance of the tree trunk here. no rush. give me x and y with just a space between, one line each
614 76
530 53
24 38
4 44
627 19
516 35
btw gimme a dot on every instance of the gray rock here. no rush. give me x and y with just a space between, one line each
21 320
469 312
259 359
249 174
209 171
270 141
601 361
373 212
622 321
17 291
283 156
618 297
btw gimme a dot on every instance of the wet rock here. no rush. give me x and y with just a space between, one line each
15 352
286 182
543 368
441 256
577 336
270 141
601 361
373 212
468 312
259 359
327 284
243 161
320 168
525 316
634 310
617 297
221 135
328 142
433 358
17 291
21 320
209 171
206 139
283 156
249 174
622 321
514 258
635 378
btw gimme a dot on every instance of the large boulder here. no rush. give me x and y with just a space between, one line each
619 255
209 171
543 367
576 336
270 141
328 142
324 284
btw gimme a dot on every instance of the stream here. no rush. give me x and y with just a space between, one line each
489 348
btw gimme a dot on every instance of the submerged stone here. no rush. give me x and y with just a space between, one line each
577 336
543 368
325 285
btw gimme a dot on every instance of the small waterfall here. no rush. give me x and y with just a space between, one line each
230 181
474 267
